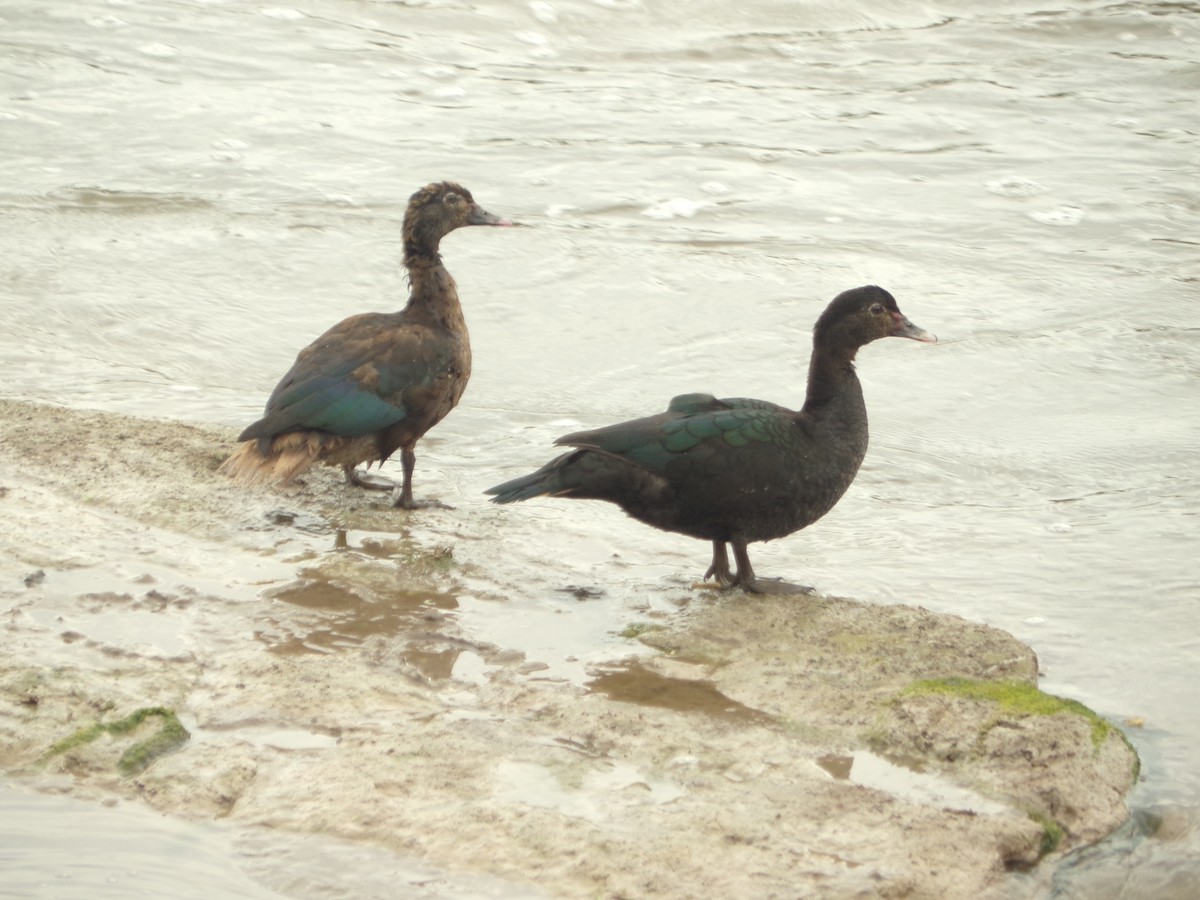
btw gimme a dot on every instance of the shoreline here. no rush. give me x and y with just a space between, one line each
728 756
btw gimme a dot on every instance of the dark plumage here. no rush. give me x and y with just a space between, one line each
374 383
736 471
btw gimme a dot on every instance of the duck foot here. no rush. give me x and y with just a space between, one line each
747 580
399 502
775 586
369 480
402 497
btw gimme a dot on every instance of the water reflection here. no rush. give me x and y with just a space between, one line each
350 595
909 782
347 619
436 665
635 683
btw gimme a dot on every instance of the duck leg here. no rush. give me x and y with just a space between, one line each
720 566
402 496
746 580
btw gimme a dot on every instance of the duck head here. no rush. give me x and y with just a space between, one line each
861 315
436 210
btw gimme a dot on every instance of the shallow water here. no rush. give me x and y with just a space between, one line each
117 851
193 191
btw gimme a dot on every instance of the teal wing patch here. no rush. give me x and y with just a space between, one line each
354 380
692 423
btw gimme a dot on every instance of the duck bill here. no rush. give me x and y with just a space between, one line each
901 327
480 216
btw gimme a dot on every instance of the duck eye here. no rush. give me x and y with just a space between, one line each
877 309
452 199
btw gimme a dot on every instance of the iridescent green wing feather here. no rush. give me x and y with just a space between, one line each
691 421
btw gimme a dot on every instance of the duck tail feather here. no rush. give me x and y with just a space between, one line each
533 485
557 478
285 457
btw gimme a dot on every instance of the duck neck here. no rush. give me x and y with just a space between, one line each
432 291
833 385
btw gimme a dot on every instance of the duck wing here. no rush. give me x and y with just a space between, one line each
695 426
363 375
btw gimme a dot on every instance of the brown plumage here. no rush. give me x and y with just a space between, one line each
375 383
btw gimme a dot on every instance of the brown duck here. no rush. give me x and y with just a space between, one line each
375 383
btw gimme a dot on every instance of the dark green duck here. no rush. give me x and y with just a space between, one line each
375 383
736 471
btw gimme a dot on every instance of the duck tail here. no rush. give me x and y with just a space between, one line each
280 460
555 479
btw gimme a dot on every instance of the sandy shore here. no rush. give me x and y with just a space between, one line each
748 756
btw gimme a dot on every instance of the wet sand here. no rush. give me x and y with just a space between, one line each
329 689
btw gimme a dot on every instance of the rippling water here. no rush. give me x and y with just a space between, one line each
191 191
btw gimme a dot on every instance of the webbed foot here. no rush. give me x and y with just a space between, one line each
401 503
402 498
750 583
775 586
368 480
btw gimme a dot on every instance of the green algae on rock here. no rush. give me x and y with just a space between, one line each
1052 833
958 699
1002 737
170 736
1015 698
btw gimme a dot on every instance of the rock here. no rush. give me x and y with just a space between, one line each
323 693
